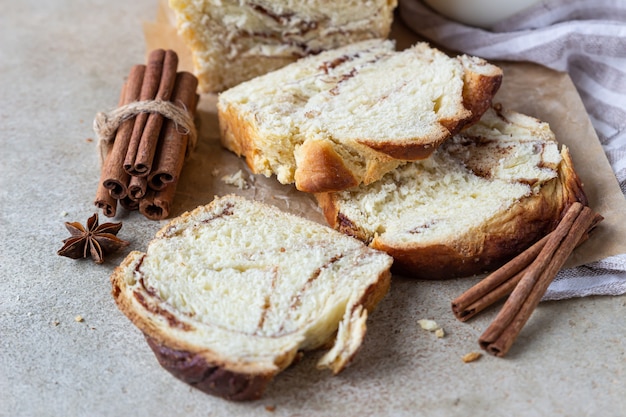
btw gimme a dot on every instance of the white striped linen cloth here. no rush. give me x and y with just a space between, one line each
585 38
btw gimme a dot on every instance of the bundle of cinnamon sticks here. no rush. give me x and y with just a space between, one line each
525 279
146 152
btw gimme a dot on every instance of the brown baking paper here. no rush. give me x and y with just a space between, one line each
526 88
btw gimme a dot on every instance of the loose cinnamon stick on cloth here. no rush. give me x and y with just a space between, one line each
172 149
151 82
114 177
500 335
150 135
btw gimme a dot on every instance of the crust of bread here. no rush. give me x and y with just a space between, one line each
237 135
194 369
506 235
325 165
195 363
322 168
481 81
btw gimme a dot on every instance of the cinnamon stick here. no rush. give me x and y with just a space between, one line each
535 269
129 204
156 205
137 187
490 297
463 307
104 201
151 81
150 135
153 128
503 331
113 176
501 282
172 147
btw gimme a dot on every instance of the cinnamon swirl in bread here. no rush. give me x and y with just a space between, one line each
347 116
235 40
228 294
484 196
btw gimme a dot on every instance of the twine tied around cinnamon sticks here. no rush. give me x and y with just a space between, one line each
105 124
144 141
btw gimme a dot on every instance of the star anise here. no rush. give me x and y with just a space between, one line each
96 240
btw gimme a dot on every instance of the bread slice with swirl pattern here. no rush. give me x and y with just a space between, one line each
347 116
235 40
483 197
228 294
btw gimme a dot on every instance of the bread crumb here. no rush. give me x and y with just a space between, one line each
439 333
471 357
79 319
237 180
270 408
215 172
56 323
430 325
64 214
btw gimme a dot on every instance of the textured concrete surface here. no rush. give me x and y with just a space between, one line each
61 62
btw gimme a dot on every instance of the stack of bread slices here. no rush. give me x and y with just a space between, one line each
411 163
405 151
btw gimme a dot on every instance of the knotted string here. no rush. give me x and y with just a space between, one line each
105 124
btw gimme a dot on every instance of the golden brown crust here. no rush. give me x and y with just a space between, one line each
165 329
196 366
508 234
238 136
478 92
322 169
336 219
325 166
376 292
196 371
200 367
411 150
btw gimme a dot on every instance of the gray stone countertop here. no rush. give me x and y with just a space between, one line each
63 61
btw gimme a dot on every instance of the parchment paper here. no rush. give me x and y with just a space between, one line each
527 88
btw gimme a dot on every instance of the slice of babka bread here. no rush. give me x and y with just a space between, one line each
227 294
235 40
347 116
481 198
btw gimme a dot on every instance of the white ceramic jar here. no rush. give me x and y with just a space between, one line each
481 13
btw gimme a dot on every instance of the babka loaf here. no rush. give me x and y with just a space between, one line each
347 116
226 295
481 198
235 40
